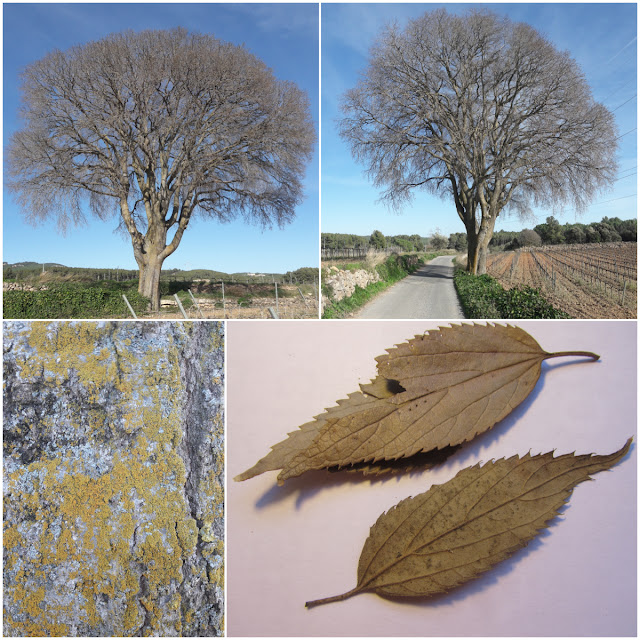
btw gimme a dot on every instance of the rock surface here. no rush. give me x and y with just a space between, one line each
113 479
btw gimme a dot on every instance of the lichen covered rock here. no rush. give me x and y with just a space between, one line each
113 479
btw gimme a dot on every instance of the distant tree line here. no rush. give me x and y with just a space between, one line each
376 240
549 232
552 232
303 275
33 270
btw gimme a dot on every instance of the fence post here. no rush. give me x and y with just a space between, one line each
273 313
224 305
277 307
184 315
196 304
306 306
133 313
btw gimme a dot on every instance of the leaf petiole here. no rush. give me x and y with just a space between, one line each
563 354
342 596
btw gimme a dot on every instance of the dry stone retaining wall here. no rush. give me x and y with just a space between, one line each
343 283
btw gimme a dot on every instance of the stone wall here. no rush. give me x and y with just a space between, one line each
113 479
20 286
343 283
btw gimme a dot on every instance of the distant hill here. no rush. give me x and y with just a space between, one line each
56 270
19 266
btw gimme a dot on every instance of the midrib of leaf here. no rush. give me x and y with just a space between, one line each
411 515
542 355
464 352
378 425
467 522
497 554
479 374
536 357
447 391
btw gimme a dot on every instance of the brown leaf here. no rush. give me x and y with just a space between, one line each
433 392
450 534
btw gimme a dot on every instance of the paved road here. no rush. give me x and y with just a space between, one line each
427 293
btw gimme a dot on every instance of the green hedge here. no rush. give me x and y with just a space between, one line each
103 300
482 297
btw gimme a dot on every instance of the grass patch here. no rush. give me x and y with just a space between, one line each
352 266
482 297
390 271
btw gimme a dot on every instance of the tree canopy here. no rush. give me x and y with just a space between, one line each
481 110
159 126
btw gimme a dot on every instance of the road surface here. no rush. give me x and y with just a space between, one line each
427 293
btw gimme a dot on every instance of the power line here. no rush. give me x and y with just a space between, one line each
625 102
624 86
628 132
614 199
596 203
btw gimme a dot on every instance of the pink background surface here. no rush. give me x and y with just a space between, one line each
302 541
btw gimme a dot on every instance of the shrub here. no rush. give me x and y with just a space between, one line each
103 300
482 297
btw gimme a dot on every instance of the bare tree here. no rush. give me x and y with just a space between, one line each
159 125
482 110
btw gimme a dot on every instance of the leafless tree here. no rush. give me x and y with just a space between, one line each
483 110
159 125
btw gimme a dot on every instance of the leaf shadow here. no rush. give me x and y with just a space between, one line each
311 483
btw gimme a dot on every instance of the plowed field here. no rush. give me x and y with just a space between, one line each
585 281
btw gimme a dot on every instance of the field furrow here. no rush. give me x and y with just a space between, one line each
585 281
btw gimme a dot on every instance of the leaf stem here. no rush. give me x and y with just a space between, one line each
561 354
342 596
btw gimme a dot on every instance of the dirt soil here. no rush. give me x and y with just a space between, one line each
570 293
211 308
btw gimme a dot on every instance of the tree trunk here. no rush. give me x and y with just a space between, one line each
149 282
114 491
150 257
478 245
477 255
150 250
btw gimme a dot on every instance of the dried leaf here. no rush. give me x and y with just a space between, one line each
450 534
433 392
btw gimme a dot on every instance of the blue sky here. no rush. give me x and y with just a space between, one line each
284 36
600 37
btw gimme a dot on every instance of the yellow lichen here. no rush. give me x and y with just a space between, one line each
187 531
92 535
11 537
